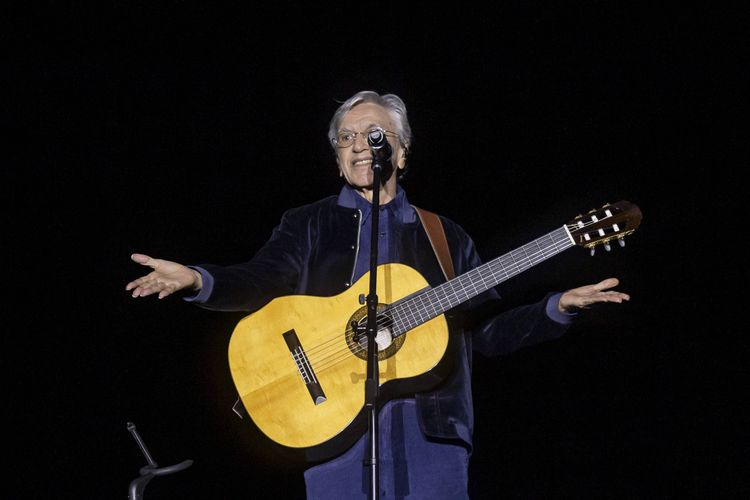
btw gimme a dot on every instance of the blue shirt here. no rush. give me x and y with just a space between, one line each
396 209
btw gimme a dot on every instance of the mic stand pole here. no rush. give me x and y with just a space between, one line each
372 382
147 472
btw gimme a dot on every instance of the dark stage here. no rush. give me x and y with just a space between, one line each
184 131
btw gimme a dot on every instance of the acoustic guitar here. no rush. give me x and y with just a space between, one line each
299 363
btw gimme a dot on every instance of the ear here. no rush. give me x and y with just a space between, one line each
338 166
401 162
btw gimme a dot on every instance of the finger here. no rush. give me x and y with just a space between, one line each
134 284
139 257
607 283
149 288
142 289
142 281
144 285
144 260
619 297
612 296
167 290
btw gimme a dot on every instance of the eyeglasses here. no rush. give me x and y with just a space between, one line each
346 138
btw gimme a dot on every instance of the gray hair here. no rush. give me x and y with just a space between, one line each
391 102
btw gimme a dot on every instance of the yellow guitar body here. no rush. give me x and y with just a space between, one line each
299 373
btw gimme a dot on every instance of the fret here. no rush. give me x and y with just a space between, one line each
433 302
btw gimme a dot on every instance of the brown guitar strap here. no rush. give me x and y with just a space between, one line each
436 234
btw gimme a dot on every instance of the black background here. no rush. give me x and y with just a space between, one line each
184 130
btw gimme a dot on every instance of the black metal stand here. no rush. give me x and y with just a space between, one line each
147 472
381 158
372 382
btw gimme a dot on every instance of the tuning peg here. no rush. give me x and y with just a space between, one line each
593 251
621 242
607 247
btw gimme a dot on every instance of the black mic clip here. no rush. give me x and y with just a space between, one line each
379 146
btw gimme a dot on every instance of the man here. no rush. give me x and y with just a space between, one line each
322 248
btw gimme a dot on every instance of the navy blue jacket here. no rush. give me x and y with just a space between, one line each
312 252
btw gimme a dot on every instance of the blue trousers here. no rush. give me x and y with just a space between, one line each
410 465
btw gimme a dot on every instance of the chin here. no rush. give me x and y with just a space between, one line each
360 183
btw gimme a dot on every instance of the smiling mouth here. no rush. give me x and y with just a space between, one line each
363 162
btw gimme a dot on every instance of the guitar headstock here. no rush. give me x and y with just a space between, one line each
601 226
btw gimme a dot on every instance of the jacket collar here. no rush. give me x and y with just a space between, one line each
399 206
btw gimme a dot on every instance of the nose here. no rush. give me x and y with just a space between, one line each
360 142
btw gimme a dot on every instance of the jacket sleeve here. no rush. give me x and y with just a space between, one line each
272 272
510 330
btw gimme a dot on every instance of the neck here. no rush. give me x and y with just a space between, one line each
387 191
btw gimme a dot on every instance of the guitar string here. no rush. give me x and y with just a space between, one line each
345 353
399 324
502 262
335 338
325 360
431 303
414 309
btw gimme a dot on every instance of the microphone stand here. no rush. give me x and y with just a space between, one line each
151 470
372 382
381 153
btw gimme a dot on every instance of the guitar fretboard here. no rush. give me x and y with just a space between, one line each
433 302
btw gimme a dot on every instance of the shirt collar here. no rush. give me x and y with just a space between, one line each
399 206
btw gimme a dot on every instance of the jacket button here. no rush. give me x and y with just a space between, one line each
353 247
355 215
346 284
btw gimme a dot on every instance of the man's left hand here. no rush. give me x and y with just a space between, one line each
582 297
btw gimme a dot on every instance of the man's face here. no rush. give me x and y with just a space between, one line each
355 161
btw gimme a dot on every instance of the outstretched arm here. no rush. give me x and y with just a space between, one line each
531 324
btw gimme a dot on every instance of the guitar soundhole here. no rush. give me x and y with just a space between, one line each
388 345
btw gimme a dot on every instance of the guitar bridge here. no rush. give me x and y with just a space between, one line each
304 367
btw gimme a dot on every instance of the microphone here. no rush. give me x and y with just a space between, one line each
380 147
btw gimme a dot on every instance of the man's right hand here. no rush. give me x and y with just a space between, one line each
166 278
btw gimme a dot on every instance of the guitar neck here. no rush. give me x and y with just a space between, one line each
433 302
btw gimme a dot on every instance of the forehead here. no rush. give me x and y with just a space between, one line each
366 115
